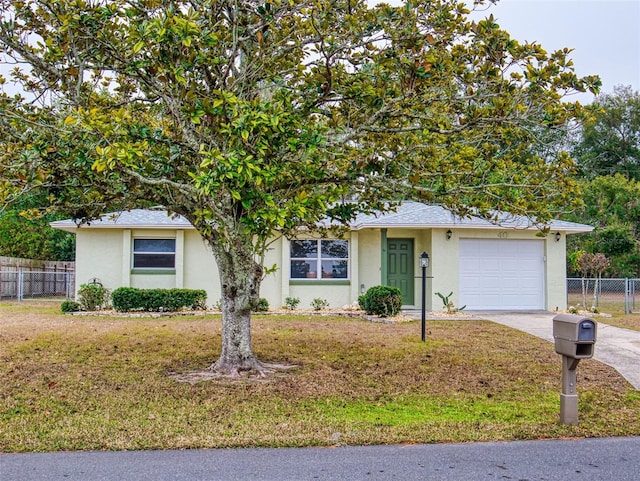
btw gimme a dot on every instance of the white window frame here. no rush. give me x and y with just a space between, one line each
138 253
317 261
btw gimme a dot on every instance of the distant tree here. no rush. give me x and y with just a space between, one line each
34 238
254 119
610 141
590 265
25 231
612 206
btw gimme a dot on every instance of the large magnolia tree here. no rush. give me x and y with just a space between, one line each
253 119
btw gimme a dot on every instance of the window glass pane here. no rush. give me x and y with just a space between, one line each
167 261
304 270
335 249
304 249
334 269
154 245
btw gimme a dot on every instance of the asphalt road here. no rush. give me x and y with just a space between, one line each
615 459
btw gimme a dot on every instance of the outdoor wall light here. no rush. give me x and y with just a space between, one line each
449 234
558 236
424 260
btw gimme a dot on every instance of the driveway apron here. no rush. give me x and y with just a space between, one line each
616 347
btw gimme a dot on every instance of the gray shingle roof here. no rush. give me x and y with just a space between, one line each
133 219
416 214
407 215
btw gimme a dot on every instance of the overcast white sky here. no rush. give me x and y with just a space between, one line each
605 34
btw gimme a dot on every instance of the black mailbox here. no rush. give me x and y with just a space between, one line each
574 336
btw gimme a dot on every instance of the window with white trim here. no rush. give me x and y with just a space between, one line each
154 253
319 259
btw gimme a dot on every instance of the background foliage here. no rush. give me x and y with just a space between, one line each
607 151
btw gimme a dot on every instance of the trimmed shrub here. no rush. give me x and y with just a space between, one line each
132 299
382 301
92 297
263 305
69 306
126 299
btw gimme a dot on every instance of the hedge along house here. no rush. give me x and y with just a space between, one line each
503 266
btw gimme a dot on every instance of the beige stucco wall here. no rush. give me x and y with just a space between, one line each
99 255
369 261
200 269
556 265
271 287
106 254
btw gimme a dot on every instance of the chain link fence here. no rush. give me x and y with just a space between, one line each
616 294
23 284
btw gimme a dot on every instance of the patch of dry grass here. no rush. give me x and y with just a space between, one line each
73 383
615 308
627 321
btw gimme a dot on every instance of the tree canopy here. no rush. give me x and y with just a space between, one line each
607 151
611 206
255 119
610 140
33 238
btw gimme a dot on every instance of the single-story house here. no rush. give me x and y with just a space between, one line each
487 266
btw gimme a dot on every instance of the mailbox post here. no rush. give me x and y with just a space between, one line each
575 338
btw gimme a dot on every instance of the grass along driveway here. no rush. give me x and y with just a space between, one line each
80 383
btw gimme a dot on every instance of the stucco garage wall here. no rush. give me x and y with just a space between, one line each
445 265
555 252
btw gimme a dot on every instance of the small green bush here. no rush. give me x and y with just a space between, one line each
318 304
263 305
382 301
92 297
291 303
132 299
69 306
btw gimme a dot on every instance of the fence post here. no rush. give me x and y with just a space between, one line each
68 278
626 295
20 286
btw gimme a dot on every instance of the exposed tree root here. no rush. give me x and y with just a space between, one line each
255 371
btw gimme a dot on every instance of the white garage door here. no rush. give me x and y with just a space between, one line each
501 274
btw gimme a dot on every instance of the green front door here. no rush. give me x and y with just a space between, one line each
400 268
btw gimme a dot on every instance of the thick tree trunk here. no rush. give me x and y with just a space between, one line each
240 278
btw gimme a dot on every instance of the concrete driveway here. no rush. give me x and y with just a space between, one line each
616 347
